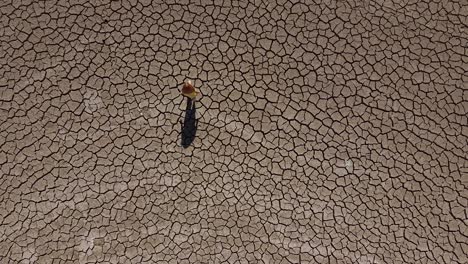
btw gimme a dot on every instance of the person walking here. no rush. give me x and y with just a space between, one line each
189 126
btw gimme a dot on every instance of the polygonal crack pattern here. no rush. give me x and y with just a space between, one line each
328 132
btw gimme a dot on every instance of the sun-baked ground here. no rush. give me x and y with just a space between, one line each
326 132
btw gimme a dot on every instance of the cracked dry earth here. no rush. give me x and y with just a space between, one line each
328 132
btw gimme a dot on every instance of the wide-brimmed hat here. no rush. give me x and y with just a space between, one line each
188 90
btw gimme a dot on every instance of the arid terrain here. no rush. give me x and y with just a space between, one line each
325 132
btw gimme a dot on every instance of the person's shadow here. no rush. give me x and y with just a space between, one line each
189 127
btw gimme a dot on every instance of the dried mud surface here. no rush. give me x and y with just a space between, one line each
327 132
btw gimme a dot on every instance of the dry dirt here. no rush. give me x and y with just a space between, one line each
327 132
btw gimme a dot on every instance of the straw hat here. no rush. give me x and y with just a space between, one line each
189 91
